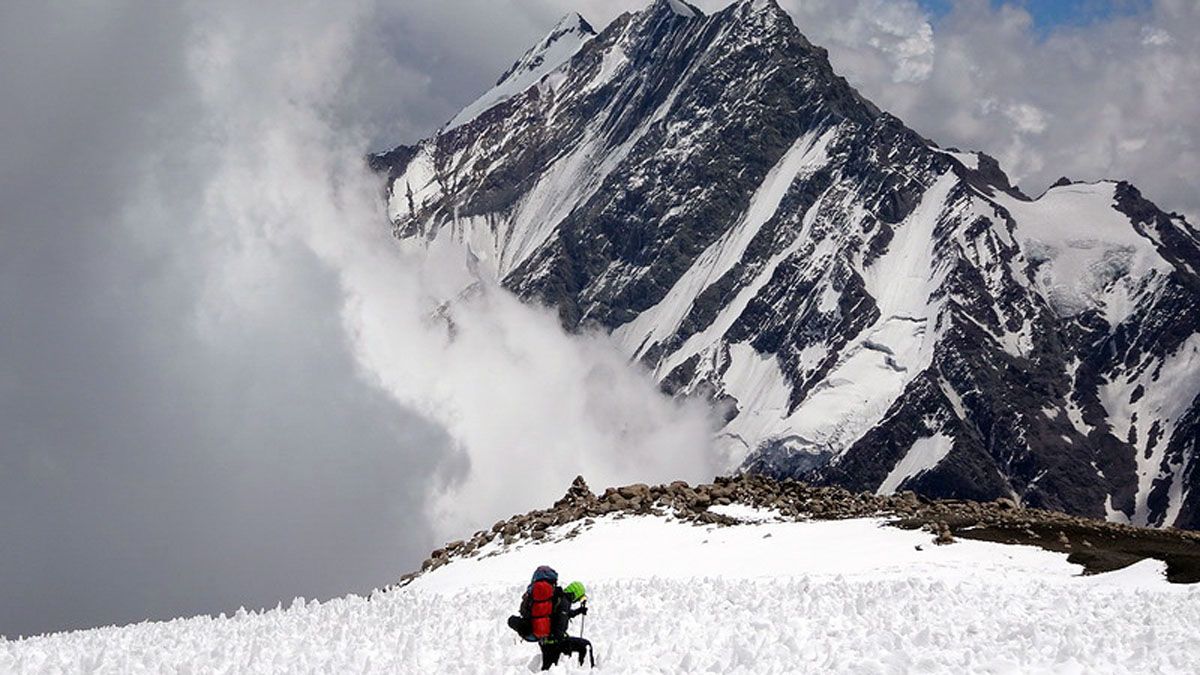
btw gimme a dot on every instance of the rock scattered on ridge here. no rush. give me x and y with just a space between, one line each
1097 545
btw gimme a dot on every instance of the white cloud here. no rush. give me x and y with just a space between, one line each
1112 99
222 367
1027 118
528 406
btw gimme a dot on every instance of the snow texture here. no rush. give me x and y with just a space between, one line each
1169 390
875 368
1089 252
805 156
669 597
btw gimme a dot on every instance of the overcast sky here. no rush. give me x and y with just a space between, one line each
217 387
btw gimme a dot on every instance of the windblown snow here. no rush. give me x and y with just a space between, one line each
669 597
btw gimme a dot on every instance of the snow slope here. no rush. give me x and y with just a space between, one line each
669 597
1090 254
924 455
564 40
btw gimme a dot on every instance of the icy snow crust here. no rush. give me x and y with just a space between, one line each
668 597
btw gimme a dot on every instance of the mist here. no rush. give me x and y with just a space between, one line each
223 383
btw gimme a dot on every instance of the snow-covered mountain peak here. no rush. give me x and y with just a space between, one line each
564 38
760 8
571 22
870 309
765 17
560 44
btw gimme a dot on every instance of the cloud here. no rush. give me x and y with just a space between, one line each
1112 98
169 447
517 396
220 382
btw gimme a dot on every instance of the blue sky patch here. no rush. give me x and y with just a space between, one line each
1049 15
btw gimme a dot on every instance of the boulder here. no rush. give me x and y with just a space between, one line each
1006 504
635 490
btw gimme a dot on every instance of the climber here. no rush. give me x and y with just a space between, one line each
545 612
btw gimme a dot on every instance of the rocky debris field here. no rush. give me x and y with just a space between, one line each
1097 545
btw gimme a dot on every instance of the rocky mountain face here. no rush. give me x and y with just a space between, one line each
870 310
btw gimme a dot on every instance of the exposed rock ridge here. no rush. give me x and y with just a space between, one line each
1099 545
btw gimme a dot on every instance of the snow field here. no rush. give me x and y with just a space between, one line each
925 454
1093 255
800 625
670 597
643 547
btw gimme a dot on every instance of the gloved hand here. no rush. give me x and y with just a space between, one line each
581 610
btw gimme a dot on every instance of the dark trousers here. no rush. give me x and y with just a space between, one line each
551 651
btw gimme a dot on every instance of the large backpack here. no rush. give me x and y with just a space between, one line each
542 608
541 602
